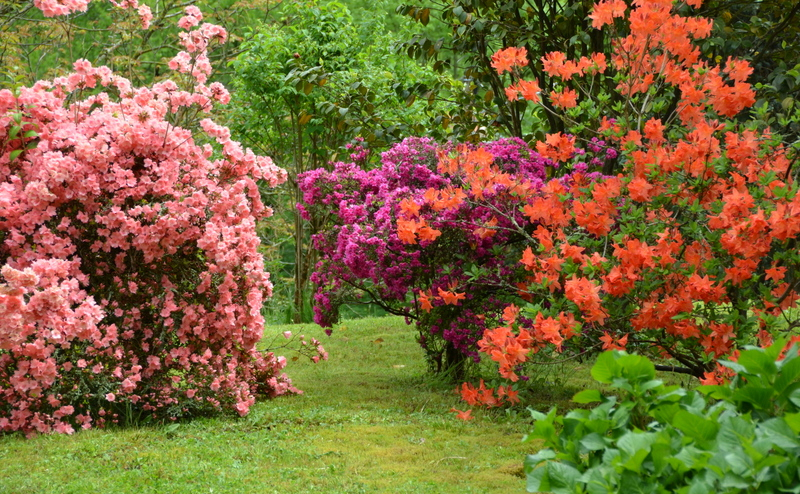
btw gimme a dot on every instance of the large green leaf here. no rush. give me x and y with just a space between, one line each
695 426
788 374
637 368
605 368
588 396
757 362
553 477
757 395
593 442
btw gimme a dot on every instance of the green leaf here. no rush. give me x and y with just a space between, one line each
634 463
553 477
596 482
787 375
699 486
793 421
604 369
758 396
716 392
537 479
632 483
735 431
757 362
562 478
660 451
795 397
738 462
780 434
593 442
532 460
664 413
637 367
588 396
15 154
695 426
536 414
689 458
736 367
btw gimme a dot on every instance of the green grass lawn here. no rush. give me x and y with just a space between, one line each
371 420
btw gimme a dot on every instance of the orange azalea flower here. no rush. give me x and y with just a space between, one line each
409 208
465 415
565 99
424 301
604 12
428 234
557 147
510 313
505 60
512 93
451 298
610 344
776 273
553 62
529 90
488 230
639 189
528 259
469 394
654 130
406 231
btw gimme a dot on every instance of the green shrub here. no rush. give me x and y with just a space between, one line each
653 438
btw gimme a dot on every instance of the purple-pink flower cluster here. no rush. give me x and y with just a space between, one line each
362 259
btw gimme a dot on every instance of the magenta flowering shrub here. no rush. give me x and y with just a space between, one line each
131 278
447 286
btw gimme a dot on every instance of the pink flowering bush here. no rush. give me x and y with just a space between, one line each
131 284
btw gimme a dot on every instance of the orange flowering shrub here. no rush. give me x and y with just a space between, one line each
691 251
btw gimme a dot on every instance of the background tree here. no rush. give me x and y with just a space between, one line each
309 82
476 29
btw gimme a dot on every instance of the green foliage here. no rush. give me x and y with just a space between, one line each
653 438
478 28
308 82
312 79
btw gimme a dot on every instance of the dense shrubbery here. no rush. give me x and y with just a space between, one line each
452 269
133 284
690 252
653 438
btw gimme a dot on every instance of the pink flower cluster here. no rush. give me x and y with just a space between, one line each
131 277
56 8
194 60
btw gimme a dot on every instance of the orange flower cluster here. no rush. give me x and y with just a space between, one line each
557 147
529 90
506 59
510 350
488 397
449 297
409 230
556 64
701 226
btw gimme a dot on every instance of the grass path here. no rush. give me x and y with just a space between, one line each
370 421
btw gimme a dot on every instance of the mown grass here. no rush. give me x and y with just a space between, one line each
371 420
